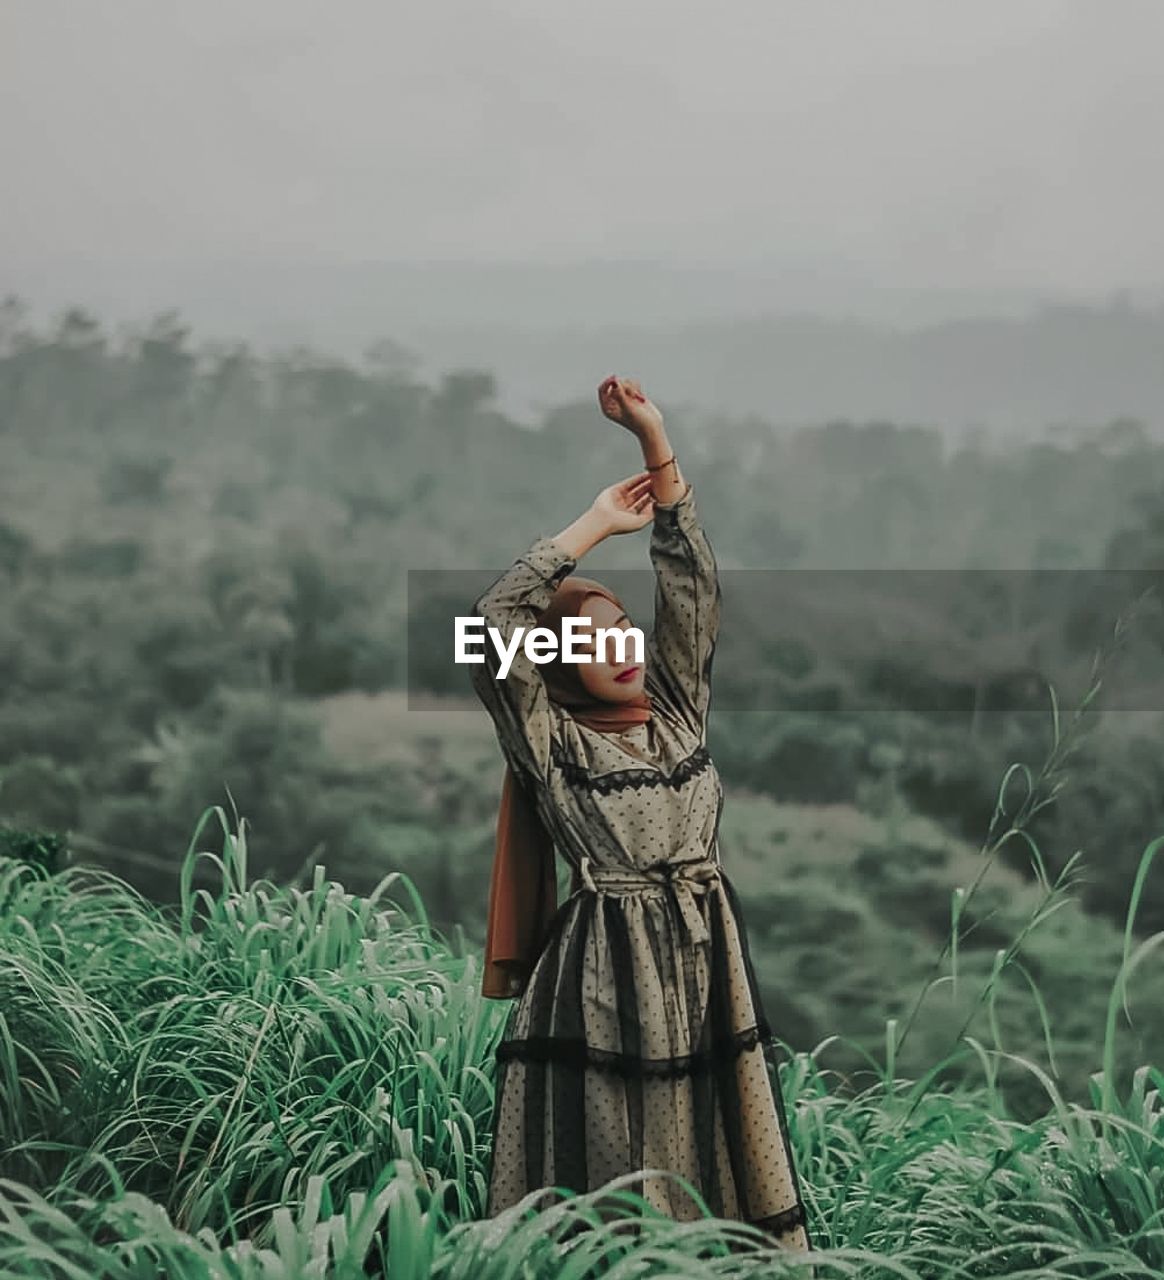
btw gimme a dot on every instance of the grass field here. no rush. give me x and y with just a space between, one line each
295 1081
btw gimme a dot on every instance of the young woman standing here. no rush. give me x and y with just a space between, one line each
638 1040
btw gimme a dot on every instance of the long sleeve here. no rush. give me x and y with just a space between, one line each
519 704
687 610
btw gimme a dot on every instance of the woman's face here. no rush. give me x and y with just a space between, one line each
604 676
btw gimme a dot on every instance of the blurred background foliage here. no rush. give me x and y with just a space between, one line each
203 560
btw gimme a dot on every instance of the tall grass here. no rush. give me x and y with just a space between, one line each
292 1081
276 1081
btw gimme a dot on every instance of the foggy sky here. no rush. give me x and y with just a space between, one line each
914 142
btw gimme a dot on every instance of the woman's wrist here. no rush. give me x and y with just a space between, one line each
589 529
655 445
667 481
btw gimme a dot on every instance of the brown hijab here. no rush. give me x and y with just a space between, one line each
523 891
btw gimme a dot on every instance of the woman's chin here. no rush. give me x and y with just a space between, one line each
623 692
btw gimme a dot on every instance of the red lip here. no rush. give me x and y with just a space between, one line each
624 676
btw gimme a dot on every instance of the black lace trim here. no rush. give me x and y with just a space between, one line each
781 1224
577 1053
620 779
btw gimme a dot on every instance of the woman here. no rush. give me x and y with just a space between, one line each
638 1040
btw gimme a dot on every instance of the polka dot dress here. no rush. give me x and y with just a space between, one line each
639 1042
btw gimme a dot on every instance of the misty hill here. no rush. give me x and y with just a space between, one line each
790 343
1020 378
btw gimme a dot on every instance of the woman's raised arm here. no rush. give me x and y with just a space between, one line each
687 590
518 703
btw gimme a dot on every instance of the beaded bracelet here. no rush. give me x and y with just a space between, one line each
660 465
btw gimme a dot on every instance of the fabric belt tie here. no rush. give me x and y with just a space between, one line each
684 879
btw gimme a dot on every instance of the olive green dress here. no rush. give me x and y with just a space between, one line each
639 1041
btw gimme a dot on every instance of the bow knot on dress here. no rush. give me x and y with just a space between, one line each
682 878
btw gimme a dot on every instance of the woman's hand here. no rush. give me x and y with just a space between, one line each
627 505
619 508
622 401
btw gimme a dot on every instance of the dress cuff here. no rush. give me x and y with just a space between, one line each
672 513
549 560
